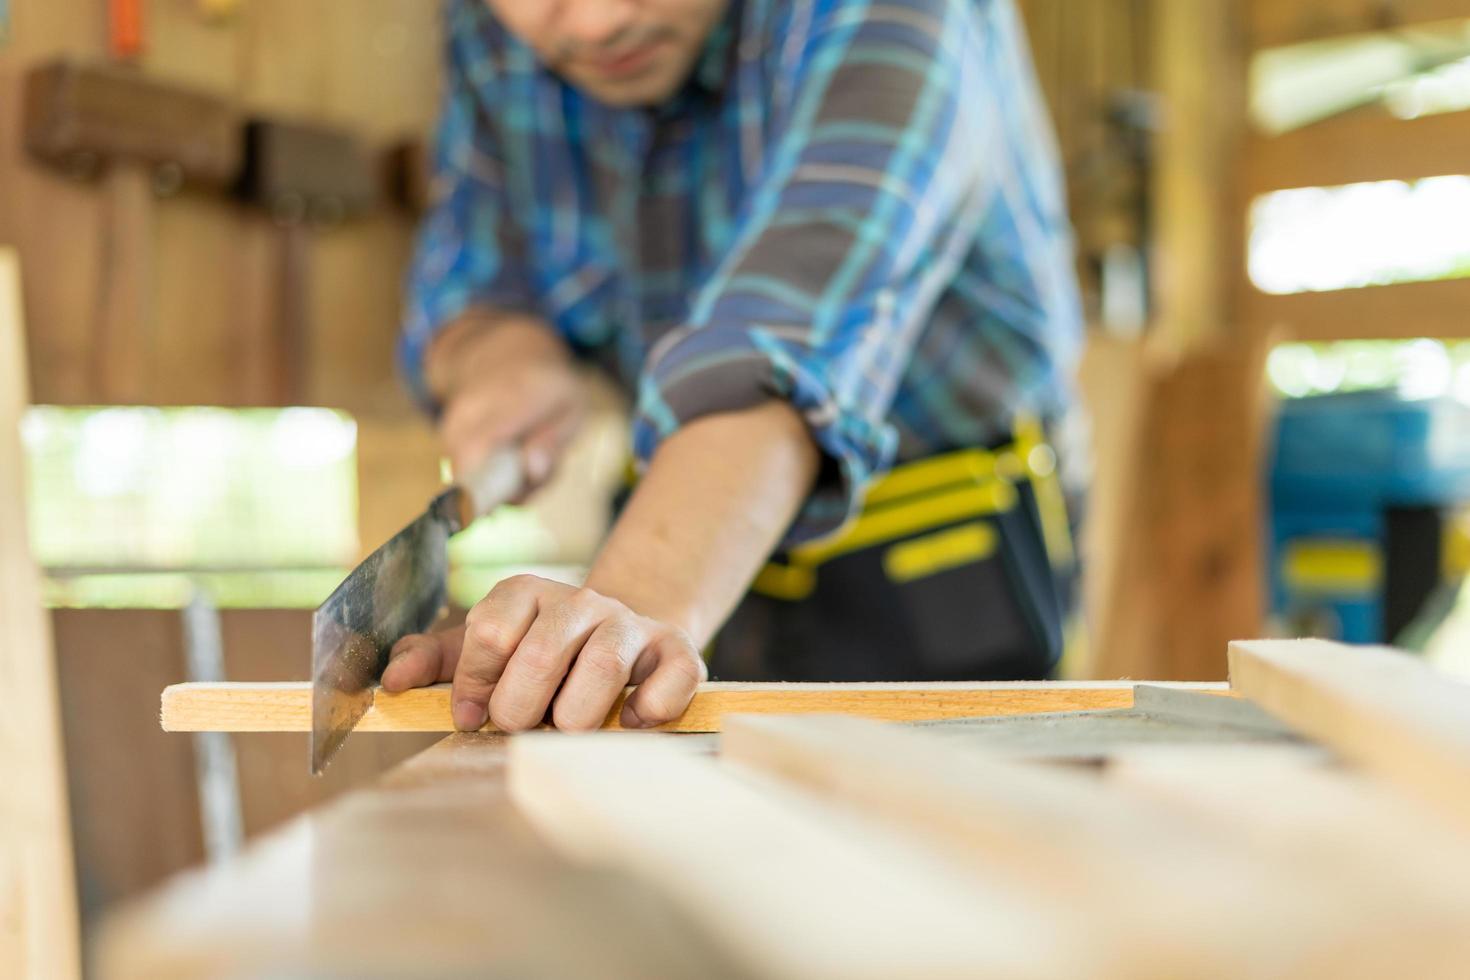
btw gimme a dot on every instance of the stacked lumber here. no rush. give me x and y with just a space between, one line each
825 846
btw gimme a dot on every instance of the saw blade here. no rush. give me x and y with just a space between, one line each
401 588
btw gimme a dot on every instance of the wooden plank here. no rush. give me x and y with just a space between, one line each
38 914
1399 312
1274 23
286 706
1344 830
1362 146
1386 710
428 872
1174 898
792 887
1329 821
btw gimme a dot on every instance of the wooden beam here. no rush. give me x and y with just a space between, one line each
1164 896
1362 146
1388 711
1199 71
286 707
1401 311
1187 576
1274 23
792 887
38 913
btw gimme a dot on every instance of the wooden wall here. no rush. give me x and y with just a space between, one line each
212 269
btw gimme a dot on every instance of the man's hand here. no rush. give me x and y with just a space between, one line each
534 644
505 380
712 505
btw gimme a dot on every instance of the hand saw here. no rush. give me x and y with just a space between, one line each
399 589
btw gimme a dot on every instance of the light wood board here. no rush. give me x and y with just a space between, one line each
286 707
793 887
1164 895
1313 817
1386 710
38 916
426 873
1396 867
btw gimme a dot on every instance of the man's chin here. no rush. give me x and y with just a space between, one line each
648 89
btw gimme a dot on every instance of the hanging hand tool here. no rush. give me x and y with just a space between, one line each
399 589
125 28
306 176
140 138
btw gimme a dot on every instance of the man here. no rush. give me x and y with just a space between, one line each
811 238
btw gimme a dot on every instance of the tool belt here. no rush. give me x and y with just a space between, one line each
958 566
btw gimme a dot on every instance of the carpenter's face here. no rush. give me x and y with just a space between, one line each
620 52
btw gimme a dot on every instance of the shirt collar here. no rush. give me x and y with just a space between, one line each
711 70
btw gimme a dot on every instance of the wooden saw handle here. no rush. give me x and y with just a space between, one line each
494 482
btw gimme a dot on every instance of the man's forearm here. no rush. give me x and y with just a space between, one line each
716 499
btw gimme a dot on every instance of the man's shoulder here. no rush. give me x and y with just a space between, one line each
821 21
892 11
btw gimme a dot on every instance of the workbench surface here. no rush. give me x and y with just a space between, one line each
430 872
1318 829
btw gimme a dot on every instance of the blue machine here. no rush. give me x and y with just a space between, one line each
1361 484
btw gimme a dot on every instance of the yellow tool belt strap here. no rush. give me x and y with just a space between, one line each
936 493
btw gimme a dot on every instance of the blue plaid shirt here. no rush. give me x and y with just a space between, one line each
856 206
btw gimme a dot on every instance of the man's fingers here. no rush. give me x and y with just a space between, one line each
599 674
493 630
414 662
531 642
541 660
669 687
423 659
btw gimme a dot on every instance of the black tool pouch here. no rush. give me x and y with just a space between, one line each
952 582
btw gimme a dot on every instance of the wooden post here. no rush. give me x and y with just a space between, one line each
1183 572
1200 68
38 917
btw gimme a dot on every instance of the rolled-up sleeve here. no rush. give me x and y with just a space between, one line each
470 249
868 200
